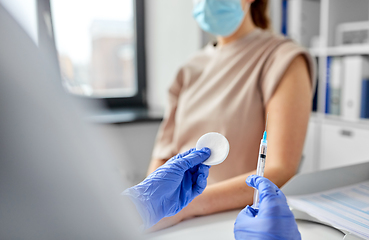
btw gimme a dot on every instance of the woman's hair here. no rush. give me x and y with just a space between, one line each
259 9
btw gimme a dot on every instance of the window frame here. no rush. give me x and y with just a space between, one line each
139 100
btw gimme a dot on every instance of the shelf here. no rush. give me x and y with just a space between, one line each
124 116
340 50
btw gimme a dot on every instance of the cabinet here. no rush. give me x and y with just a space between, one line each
343 145
309 155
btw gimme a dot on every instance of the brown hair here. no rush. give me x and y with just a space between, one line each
259 14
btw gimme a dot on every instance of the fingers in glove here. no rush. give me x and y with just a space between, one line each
281 195
204 169
249 211
199 186
181 155
194 158
197 170
201 180
265 186
244 218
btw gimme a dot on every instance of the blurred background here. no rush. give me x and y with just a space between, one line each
124 54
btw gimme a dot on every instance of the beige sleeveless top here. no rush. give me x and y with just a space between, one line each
225 89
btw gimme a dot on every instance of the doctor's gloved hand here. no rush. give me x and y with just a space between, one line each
171 187
274 219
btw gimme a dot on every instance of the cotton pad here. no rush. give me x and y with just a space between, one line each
218 145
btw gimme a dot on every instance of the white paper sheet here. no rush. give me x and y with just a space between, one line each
345 208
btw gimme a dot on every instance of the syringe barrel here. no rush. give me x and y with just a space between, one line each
260 169
261 158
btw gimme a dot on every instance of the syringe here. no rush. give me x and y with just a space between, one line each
261 163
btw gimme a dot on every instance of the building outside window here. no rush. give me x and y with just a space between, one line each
96 45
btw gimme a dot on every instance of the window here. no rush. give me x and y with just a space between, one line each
100 49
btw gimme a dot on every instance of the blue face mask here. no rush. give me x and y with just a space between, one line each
219 17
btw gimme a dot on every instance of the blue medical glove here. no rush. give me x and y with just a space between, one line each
171 187
274 219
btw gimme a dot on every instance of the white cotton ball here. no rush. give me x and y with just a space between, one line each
218 145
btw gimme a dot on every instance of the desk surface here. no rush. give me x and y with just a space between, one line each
220 226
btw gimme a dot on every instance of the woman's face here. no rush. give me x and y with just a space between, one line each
220 17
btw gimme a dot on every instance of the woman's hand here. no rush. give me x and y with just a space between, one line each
173 220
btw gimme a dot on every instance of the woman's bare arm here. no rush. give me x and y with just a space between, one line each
289 110
154 164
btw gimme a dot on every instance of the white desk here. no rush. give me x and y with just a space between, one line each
220 226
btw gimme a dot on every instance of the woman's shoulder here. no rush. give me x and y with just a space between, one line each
278 43
281 54
270 34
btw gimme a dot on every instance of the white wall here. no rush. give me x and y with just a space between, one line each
172 36
275 14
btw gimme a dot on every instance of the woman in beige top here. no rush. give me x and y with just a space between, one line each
229 88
